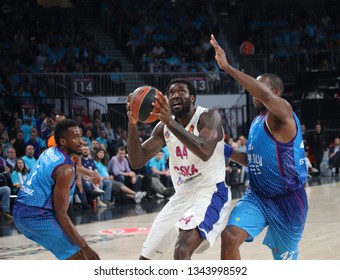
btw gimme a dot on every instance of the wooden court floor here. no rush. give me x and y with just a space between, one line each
121 238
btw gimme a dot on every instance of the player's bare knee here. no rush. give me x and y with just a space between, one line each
229 240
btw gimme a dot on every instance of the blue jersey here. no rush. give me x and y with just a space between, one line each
276 197
38 187
275 168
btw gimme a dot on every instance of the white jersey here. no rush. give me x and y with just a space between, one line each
188 171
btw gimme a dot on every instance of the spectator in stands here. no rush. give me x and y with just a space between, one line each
39 121
79 119
94 148
111 135
29 158
158 50
88 138
97 127
122 140
26 128
46 128
3 90
213 79
233 170
13 131
102 138
36 142
247 47
11 158
183 65
122 171
30 115
96 115
90 190
305 136
318 145
2 159
156 167
118 83
18 144
334 157
2 127
18 175
102 168
103 57
6 144
5 193
12 120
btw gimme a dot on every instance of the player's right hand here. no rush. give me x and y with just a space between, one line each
89 254
132 119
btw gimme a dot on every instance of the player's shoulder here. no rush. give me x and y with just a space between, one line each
210 115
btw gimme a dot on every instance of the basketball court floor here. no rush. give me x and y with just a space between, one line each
118 233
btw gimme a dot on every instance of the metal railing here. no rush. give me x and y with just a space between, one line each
102 84
293 64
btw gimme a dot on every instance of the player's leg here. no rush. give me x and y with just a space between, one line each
245 222
203 220
286 217
232 238
187 242
42 227
163 233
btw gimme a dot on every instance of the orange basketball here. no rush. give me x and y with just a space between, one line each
141 104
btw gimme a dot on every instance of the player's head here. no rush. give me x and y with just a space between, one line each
182 96
274 83
68 136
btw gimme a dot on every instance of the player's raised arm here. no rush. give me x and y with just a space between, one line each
264 91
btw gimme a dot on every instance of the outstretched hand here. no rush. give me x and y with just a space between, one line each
220 56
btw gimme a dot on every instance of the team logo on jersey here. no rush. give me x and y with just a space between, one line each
167 134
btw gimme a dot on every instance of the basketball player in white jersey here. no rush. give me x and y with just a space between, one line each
196 214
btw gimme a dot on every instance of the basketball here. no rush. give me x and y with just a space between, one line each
141 104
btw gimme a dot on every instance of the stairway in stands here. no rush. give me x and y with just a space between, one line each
107 42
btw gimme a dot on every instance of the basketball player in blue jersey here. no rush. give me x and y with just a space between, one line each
40 210
197 213
276 161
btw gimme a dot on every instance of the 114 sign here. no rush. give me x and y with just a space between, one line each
83 85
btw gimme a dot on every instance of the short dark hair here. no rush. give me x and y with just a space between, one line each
190 85
121 148
61 129
273 81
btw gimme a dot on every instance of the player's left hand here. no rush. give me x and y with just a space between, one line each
220 56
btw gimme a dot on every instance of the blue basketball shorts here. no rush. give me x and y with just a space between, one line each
284 216
41 226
